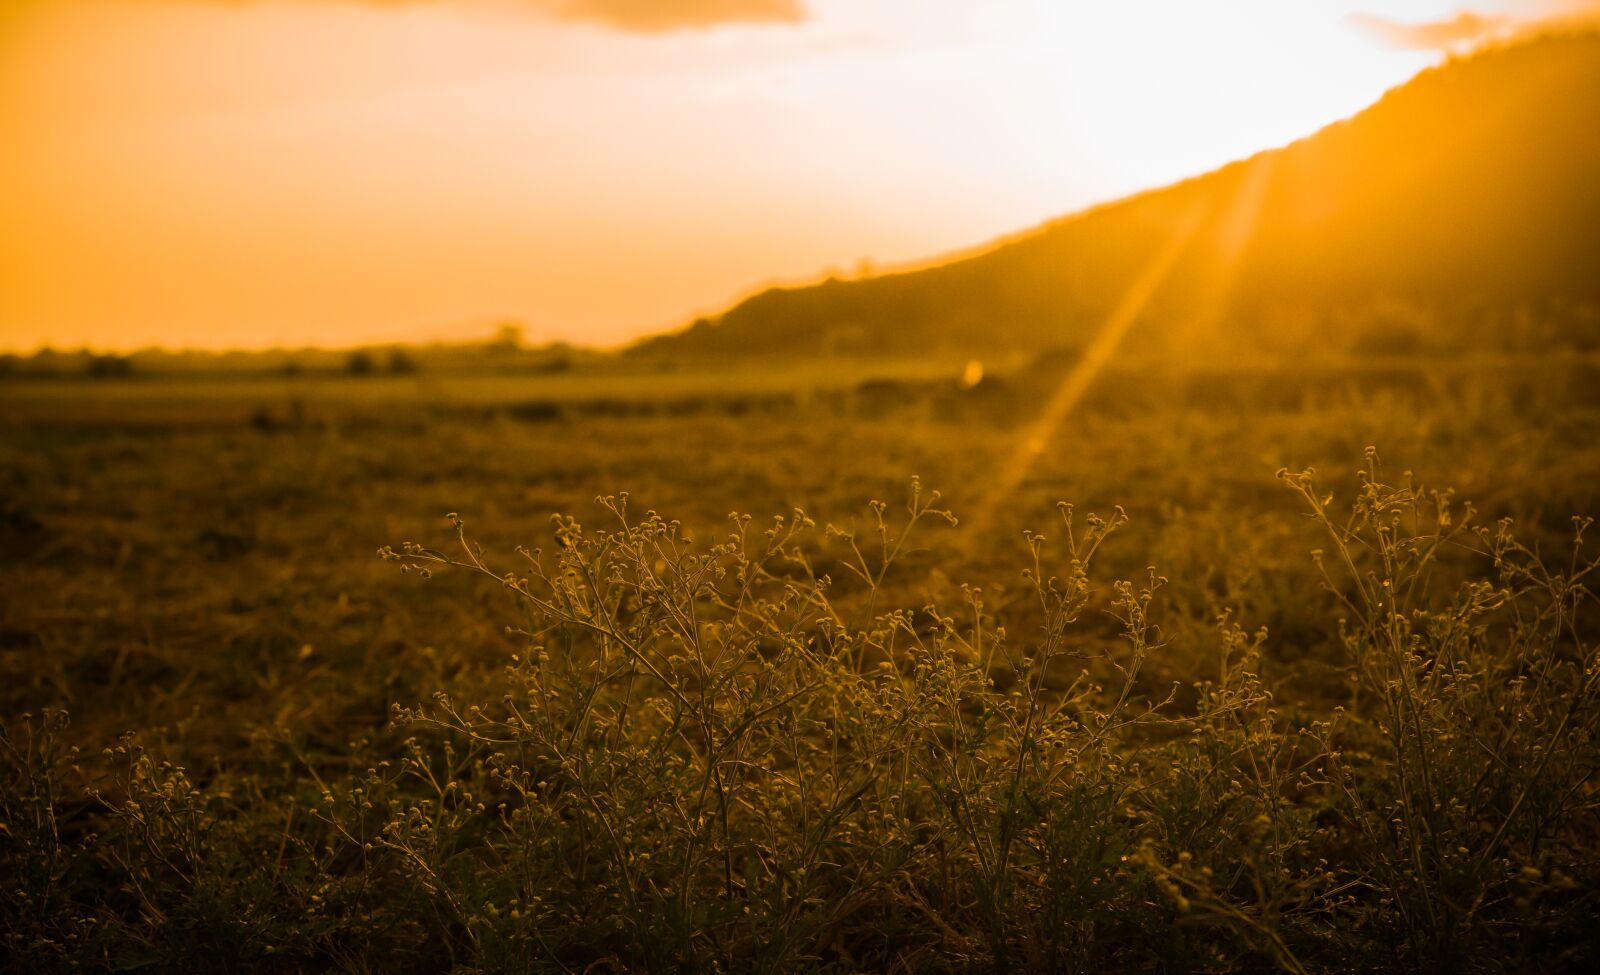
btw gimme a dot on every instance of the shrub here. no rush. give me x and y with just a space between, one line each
758 755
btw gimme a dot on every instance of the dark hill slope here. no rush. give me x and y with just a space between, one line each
1471 192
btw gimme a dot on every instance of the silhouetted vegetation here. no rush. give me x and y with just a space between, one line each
400 363
107 366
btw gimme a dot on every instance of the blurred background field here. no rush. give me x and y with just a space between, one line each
199 550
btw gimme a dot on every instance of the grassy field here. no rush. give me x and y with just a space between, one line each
613 384
1301 737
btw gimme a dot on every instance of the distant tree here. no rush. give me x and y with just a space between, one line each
45 362
401 362
558 358
360 363
508 337
109 366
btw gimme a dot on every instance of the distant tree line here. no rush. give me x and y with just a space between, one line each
364 362
504 352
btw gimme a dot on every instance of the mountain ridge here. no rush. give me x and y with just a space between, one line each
1467 195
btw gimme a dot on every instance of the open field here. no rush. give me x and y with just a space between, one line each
831 775
1069 552
615 383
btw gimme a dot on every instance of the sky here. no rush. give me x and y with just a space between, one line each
250 173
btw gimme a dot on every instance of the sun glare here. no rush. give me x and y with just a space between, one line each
1138 93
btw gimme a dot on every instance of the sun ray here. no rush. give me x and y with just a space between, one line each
1235 228
1033 439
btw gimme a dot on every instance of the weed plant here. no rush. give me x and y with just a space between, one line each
757 756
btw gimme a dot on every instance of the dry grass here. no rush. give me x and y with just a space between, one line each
863 739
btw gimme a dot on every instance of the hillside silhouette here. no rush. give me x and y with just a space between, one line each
1460 210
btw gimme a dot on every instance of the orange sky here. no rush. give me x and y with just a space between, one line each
224 173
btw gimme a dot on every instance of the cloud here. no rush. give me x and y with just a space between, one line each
657 16
1465 29
1567 13
632 16
1468 29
